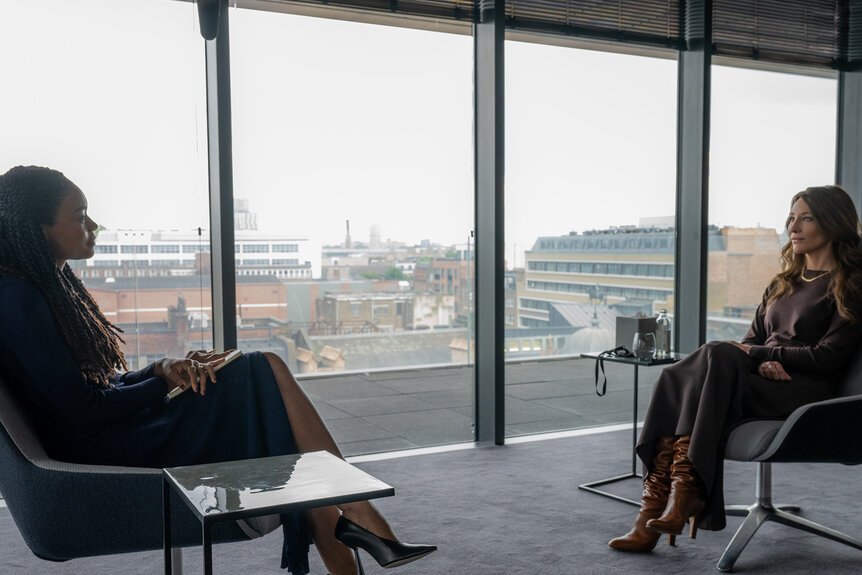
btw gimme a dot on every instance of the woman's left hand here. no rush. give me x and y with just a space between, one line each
772 370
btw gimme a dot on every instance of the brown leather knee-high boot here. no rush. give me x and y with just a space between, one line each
653 502
687 495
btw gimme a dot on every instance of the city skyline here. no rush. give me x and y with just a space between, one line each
382 136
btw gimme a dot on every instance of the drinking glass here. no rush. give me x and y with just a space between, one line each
643 345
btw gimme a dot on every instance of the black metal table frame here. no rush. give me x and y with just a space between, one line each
592 486
208 521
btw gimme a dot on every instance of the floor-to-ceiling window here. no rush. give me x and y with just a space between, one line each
772 135
353 183
88 90
590 192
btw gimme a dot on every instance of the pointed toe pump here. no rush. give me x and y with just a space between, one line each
386 552
656 489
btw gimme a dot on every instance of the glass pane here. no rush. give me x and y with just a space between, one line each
772 135
124 120
353 167
590 191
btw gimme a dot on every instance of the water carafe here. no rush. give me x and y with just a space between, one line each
662 335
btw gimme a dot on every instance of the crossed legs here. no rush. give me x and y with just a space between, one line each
311 434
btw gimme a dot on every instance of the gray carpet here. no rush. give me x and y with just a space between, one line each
517 509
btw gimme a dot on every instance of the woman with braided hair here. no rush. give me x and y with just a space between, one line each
62 358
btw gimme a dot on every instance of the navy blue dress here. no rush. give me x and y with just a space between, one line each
132 424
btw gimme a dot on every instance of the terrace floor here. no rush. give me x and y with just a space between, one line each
369 412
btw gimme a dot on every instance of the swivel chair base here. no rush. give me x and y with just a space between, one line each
177 562
763 510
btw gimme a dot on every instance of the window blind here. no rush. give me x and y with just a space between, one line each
653 22
816 33
442 9
794 31
852 33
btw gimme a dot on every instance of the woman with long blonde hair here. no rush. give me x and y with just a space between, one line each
803 333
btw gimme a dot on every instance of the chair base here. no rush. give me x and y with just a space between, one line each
762 511
177 561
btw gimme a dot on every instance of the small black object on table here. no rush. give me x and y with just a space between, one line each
592 486
233 490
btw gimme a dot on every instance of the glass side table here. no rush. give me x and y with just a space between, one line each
592 486
233 490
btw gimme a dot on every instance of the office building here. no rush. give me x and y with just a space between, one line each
130 253
631 269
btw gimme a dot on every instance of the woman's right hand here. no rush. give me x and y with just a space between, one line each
772 370
182 372
205 356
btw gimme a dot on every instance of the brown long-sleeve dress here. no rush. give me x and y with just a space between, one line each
713 389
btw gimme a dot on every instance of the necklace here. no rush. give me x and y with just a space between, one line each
809 280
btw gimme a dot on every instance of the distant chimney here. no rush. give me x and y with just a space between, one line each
348 243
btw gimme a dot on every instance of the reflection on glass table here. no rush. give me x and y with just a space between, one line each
233 490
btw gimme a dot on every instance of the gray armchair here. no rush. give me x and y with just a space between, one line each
66 510
823 432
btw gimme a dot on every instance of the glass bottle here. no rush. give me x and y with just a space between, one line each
662 335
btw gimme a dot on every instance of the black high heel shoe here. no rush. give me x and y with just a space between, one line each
386 552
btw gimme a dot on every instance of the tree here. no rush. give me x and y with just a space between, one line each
394 273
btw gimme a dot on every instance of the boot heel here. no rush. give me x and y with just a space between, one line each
671 539
692 527
656 488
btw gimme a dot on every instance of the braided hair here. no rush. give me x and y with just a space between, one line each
29 198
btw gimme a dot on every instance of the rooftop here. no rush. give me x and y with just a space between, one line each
625 239
373 411
170 282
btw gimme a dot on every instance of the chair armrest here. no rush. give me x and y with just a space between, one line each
49 464
68 510
826 431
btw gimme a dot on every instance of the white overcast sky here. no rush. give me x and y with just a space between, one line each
338 120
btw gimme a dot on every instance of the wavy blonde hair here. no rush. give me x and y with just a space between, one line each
836 215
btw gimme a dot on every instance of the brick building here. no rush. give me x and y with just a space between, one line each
149 299
449 276
348 313
169 316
